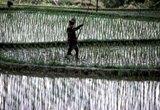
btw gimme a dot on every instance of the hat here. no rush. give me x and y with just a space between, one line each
73 20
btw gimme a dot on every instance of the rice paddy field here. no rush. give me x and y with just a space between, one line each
17 27
39 37
101 56
31 26
42 93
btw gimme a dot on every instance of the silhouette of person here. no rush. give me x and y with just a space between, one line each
9 3
72 39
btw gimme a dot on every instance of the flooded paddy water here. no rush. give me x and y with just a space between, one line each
24 26
145 55
20 92
34 27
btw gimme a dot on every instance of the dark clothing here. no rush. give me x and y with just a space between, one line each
72 40
9 3
70 48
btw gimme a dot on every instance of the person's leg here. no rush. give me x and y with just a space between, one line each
77 51
69 51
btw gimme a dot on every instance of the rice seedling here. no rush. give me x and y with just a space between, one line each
40 27
101 55
24 26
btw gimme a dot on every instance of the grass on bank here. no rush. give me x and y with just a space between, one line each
82 75
77 11
82 43
131 72
53 63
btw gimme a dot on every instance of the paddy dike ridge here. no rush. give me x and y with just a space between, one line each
55 71
141 14
82 43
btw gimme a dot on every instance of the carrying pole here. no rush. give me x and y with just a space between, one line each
83 22
96 5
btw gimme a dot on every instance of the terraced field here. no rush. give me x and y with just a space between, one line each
146 55
42 27
38 37
26 26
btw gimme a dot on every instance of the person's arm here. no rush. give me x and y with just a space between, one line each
78 27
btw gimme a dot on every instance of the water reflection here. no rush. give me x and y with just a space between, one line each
32 93
146 55
26 26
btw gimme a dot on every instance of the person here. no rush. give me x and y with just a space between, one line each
9 3
72 39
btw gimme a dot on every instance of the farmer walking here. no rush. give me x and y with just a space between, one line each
72 39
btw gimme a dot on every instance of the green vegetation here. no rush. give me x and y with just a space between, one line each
45 24
10 59
112 74
106 56
114 43
129 4
76 11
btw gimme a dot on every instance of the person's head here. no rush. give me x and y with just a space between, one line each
72 22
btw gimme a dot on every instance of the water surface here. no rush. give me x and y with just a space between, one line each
26 26
28 93
140 55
